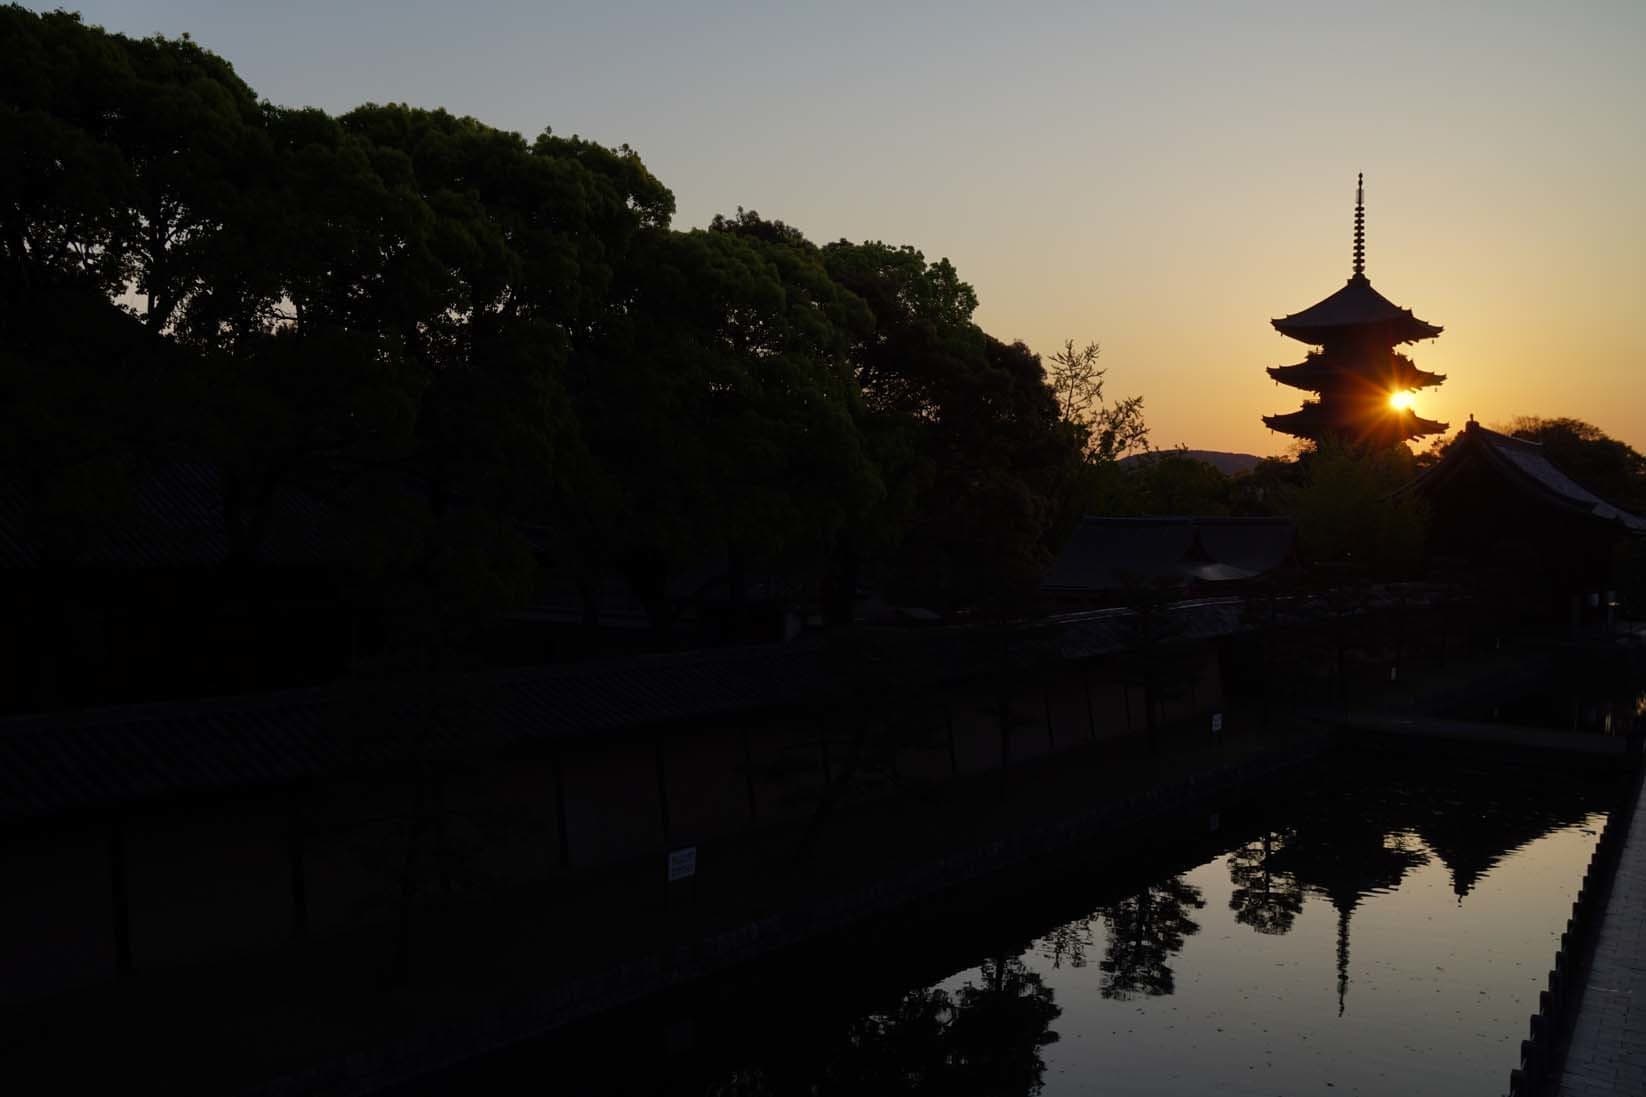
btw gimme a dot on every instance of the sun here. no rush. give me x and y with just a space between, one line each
1400 401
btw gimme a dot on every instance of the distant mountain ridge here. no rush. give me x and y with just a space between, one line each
1229 464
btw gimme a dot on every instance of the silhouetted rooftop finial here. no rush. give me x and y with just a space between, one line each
1360 225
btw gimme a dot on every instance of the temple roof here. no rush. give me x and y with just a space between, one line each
1319 371
1355 307
1107 553
1314 420
1523 465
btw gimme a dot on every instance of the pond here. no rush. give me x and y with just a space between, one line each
1368 926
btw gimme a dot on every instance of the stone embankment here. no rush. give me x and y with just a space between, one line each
1586 1039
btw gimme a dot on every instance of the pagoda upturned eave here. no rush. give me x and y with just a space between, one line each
1315 421
1357 307
1315 374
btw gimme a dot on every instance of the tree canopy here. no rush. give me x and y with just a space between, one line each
488 349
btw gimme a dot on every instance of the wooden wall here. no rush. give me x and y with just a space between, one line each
202 882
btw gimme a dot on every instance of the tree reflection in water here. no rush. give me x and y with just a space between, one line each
999 1026
1145 931
1264 898
1338 842
1068 943
985 1038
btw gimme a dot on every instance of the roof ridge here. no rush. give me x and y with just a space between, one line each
1516 439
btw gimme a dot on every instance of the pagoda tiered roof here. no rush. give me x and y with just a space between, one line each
1315 420
1357 373
1318 372
1356 309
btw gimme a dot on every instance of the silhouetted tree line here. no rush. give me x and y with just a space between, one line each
480 346
490 353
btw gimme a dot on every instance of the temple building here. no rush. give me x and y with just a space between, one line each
1364 387
1503 515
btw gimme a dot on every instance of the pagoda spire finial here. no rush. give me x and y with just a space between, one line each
1360 225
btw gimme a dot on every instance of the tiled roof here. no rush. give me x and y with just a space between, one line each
1524 466
1109 553
1356 305
1318 372
1528 459
1314 418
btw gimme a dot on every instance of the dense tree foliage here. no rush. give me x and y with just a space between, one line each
491 352
1348 511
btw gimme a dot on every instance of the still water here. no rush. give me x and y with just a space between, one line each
1377 932
1369 925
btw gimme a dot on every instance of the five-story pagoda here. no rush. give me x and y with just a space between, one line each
1365 387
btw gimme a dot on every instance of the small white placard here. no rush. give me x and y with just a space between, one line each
1217 721
682 863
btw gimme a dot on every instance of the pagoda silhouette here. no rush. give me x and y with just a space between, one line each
1363 384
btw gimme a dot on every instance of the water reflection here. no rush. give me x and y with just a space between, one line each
1145 931
1069 943
998 1028
1331 845
1141 932
983 1038
1264 897
1348 844
1214 968
1473 826
1346 863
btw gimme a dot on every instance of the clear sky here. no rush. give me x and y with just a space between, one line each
1162 178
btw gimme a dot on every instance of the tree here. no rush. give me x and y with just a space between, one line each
84 394
457 333
1349 510
1171 482
965 430
720 409
1109 432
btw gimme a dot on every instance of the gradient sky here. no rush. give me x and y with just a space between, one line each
1161 178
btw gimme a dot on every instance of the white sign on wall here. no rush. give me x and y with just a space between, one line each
682 863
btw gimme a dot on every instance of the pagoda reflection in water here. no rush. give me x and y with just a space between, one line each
1349 843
